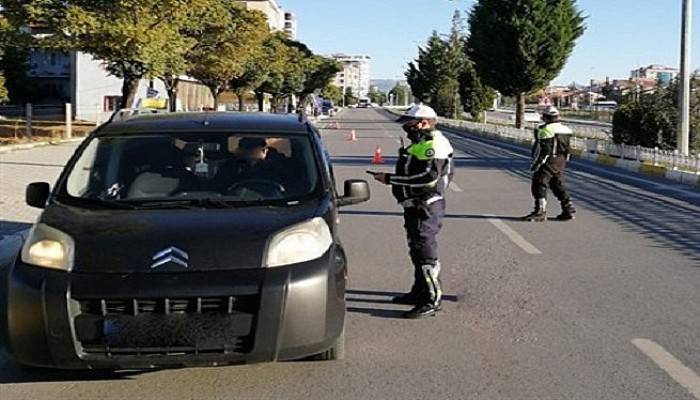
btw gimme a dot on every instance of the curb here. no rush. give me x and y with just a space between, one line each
29 146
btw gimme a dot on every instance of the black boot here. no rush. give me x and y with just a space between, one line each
567 211
422 310
540 212
411 298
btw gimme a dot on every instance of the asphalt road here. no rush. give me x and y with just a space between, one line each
604 307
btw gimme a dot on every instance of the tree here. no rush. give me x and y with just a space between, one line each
134 38
333 93
377 96
443 72
401 94
14 64
319 71
519 47
424 74
474 95
350 97
651 119
229 40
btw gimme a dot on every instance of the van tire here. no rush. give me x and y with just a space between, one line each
336 352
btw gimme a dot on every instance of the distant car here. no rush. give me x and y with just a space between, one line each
327 108
364 103
183 239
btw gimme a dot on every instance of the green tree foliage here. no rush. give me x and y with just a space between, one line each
350 98
333 93
474 95
14 60
377 96
443 73
401 94
134 38
651 119
319 72
229 40
519 46
425 74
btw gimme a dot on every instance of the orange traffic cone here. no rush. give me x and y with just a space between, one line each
378 157
352 137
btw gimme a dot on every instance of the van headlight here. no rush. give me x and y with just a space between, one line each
299 243
49 248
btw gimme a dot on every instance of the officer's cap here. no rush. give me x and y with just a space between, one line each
419 111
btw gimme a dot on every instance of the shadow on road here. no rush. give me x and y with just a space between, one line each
653 212
377 312
448 216
381 312
10 372
445 297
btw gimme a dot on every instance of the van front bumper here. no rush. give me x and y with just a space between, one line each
81 321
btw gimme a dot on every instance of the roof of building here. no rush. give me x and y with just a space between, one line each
208 121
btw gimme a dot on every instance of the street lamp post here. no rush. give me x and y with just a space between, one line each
684 103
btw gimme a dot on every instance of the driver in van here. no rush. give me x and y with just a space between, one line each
252 160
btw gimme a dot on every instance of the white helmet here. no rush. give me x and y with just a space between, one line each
550 111
419 111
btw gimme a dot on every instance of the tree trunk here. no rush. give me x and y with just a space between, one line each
240 100
215 94
520 111
261 100
171 85
129 87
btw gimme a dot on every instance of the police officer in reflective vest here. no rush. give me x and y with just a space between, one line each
549 156
423 173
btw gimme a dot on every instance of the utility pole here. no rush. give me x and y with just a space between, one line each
684 101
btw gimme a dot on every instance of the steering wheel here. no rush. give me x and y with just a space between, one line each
256 189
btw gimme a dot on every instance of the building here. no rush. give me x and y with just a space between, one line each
271 9
662 74
290 25
355 74
94 93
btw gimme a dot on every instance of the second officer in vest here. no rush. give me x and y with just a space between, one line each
423 173
549 156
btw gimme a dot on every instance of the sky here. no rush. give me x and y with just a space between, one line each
621 34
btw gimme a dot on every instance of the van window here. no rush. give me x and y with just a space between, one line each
235 168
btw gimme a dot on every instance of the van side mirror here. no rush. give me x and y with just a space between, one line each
356 191
37 194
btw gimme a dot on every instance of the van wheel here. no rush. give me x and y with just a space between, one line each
337 352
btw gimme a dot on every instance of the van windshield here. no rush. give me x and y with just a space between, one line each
167 168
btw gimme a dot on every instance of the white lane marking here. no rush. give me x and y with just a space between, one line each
456 188
514 236
671 365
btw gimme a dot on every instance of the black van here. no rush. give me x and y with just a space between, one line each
180 240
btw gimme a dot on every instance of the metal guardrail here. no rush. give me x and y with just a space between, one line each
671 160
656 157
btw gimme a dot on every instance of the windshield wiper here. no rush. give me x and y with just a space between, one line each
93 202
166 204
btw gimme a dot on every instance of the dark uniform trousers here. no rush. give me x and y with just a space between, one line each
422 227
551 175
